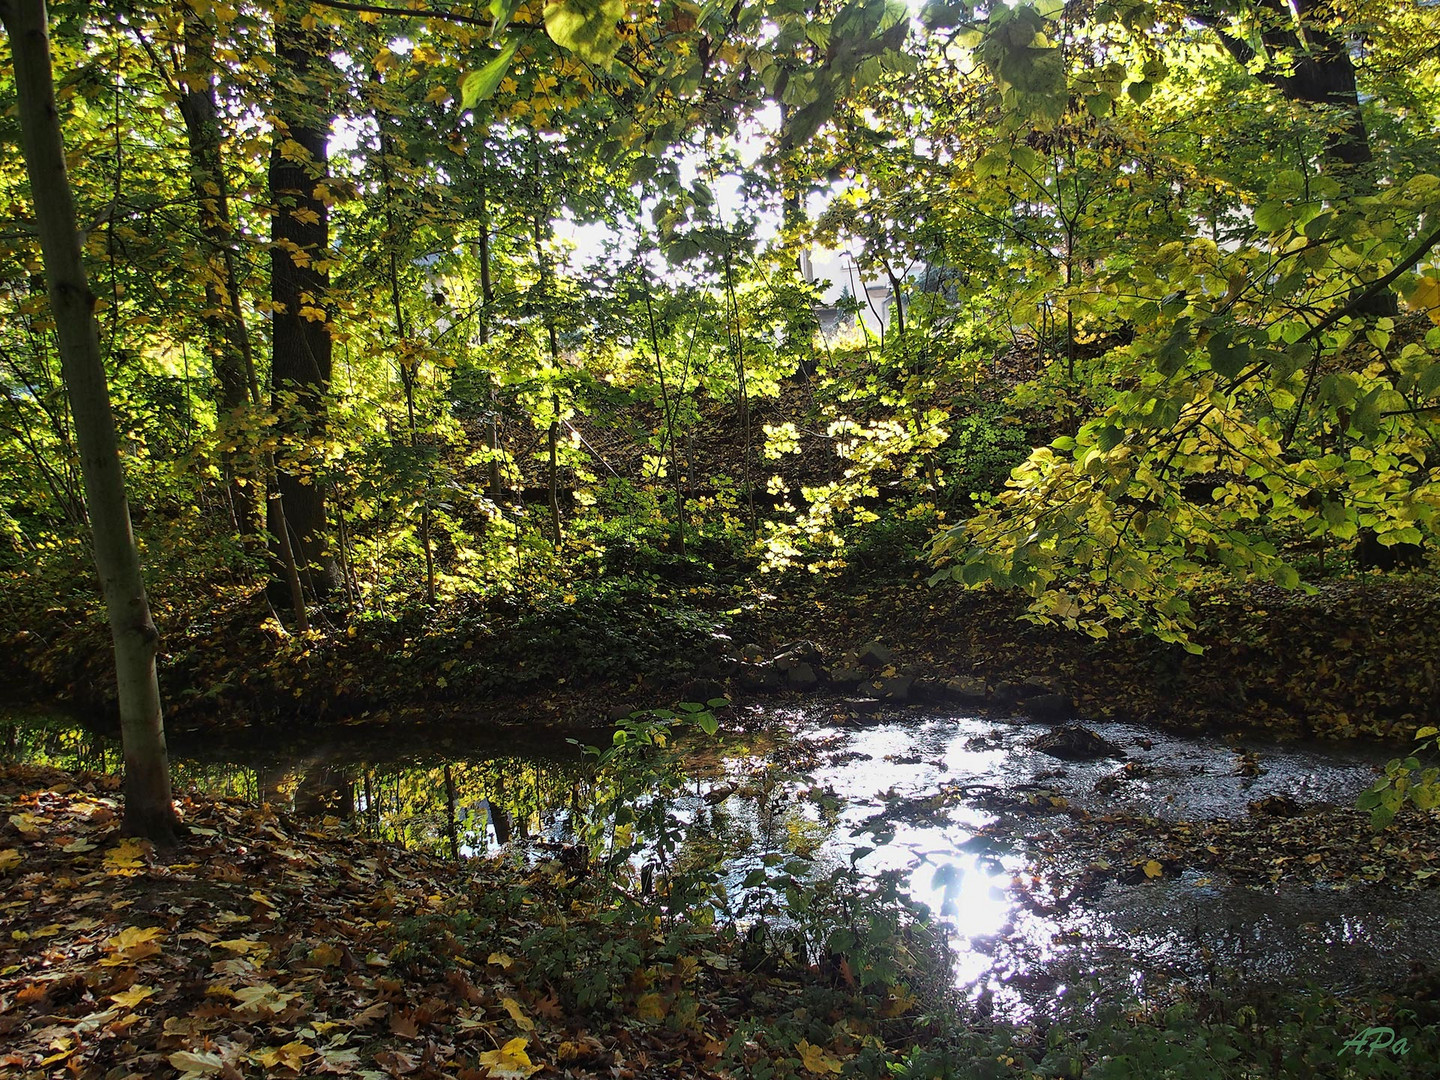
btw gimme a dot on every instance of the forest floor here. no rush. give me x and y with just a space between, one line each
1357 658
269 945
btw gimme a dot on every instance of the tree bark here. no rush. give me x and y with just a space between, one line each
149 810
207 181
1322 73
300 360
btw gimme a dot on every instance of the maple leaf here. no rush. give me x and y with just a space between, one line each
816 1060
510 1062
129 854
1153 869
290 1056
131 944
132 997
263 998
651 1007
523 1022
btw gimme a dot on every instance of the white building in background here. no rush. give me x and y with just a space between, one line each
846 282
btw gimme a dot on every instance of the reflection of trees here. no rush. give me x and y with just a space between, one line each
464 807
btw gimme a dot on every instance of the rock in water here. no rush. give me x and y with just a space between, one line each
1075 743
1054 708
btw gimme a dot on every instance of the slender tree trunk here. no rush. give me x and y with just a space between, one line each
669 426
207 182
407 370
552 435
487 298
743 393
300 337
149 810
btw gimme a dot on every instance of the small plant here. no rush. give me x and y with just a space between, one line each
1406 780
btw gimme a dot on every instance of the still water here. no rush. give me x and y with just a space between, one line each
904 792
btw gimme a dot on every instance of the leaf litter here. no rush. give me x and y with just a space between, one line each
268 945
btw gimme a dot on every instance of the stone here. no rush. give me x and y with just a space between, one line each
759 677
1050 708
802 677
862 706
752 652
927 688
966 691
720 645
873 654
1076 743
891 688
1006 694
701 690
848 676
802 652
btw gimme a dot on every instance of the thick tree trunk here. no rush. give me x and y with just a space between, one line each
1321 73
300 339
207 182
149 810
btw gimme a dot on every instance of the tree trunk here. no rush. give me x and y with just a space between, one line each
487 299
207 182
300 337
149 811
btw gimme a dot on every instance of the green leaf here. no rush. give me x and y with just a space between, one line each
1227 356
1140 92
707 723
500 11
480 85
586 28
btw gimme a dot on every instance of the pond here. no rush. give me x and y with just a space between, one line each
905 792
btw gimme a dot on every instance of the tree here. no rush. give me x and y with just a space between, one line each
149 811
301 346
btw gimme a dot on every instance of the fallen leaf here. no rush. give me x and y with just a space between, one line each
510 1062
134 996
131 944
196 1064
651 1007
10 857
290 1056
128 854
523 1022
816 1060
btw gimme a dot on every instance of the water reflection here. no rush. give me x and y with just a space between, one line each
900 797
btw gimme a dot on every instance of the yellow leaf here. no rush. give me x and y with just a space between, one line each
290 1056
1153 869
899 1001
10 857
523 1022
129 854
816 1060
244 947
134 996
326 955
26 824
192 1064
510 1062
132 944
1426 297
306 215
500 960
46 931
651 1007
